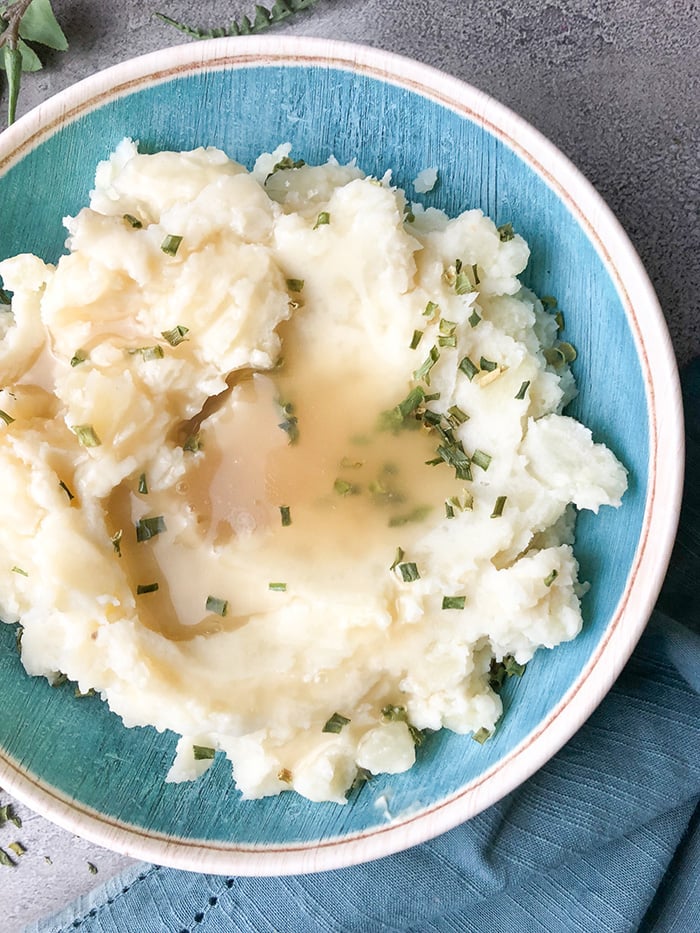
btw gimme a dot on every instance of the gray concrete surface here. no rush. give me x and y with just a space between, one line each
613 84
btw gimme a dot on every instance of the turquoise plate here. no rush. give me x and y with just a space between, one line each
74 761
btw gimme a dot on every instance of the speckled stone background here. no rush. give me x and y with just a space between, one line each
614 84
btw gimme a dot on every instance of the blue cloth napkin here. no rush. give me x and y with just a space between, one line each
604 838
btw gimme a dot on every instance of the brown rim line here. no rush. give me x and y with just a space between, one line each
660 373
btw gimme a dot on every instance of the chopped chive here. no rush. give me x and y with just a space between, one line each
456 415
551 577
447 327
344 488
147 528
416 339
431 309
22 573
116 540
133 221
193 443
450 342
506 232
349 464
498 507
171 244
559 318
17 848
458 265
463 284
66 490
468 368
175 336
523 389
431 418
548 301
285 515
391 713
487 366
423 372
143 485
290 423
453 602
449 509
481 459
5 297
335 723
511 667
144 588
78 357
433 397
568 350
397 558
219 606
277 587
419 514
8 419
474 318
481 735
86 435
6 861
286 162
295 285
203 752
148 353
409 572
554 357
454 456
475 274
323 218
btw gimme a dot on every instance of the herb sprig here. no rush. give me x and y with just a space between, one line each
259 21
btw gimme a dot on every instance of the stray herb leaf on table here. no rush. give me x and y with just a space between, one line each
260 20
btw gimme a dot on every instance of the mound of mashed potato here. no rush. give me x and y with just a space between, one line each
284 465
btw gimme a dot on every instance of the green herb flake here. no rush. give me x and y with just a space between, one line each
295 285
217 605
116 540
48 860
193 443
568 350
475 274
487 366
391 713
549 302
419 514
409 572
481 735
431 310
523 389
335 723
449 509
468 368
66 490
92 868
456 416
347 463
5 298
447 342
474 318
551 577
285 515
143 589
416 339
290 425
398 557
277 587
8 419
343 488
512 668
143 485
498 507
323 218
5 860
481 459
154 352
147 528
86 434
447 327
463 284
286 163
453 602
454 456
506 232
78 357
22 573
176 336
171 244
559 318
554 357
17 848
423 372
132 221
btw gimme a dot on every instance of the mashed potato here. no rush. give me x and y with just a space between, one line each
284 465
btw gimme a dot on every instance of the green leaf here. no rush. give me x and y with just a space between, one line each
40 25
30 60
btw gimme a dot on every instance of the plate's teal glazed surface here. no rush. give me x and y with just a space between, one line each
78 746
